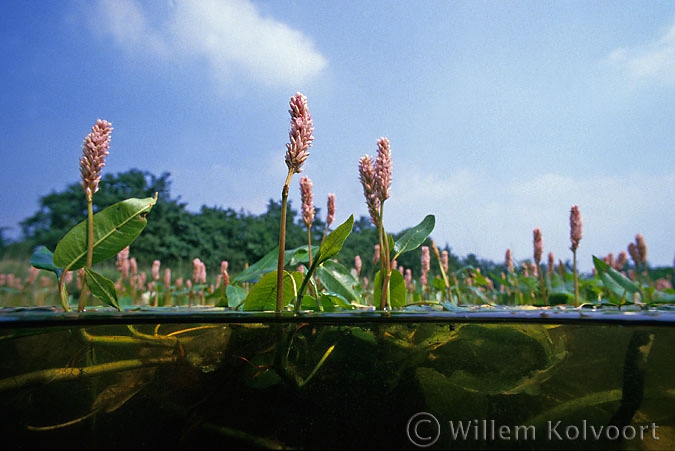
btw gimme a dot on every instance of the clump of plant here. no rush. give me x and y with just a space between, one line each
102 235
376 178
340 288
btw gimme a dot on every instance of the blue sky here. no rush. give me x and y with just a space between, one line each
501 114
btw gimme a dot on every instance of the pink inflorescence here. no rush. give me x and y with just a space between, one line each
575 227
300 134
307 198
383 169
538 243
94 151
330 216
368 183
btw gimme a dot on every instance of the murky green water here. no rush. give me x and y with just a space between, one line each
467 380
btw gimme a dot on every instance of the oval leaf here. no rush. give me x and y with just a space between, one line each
336 278
43 258
263 295
269 263
115 228
397 290
413 238
101 287
333 243
608 273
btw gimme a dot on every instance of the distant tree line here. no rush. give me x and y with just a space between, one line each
175 236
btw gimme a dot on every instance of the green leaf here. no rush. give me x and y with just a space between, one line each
661 297
335 301
338 279
101 287
115 228
413 238
263 295
269 263
263 266
397 290
616 282
235 295
332 245
43 258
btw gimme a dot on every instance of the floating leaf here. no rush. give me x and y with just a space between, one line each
115 228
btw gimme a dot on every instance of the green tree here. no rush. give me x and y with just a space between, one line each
60 211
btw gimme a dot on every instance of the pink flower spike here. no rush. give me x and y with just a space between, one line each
575 227
300 134
307 197
155 269
369 184
538 243
330 216
94 151
383 169
509 261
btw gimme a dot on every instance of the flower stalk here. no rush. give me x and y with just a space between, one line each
297 151
538 251
330 215
376 176
94 151
308 211
575 237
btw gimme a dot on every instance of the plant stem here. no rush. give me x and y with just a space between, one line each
576 278
542 285
385 262
440 265
90 250
74 373
309 246
282 242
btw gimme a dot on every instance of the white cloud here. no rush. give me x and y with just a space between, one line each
229 38
476 213
653 61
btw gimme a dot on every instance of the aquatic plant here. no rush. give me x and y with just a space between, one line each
375 175
102 235
575 237
297 151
